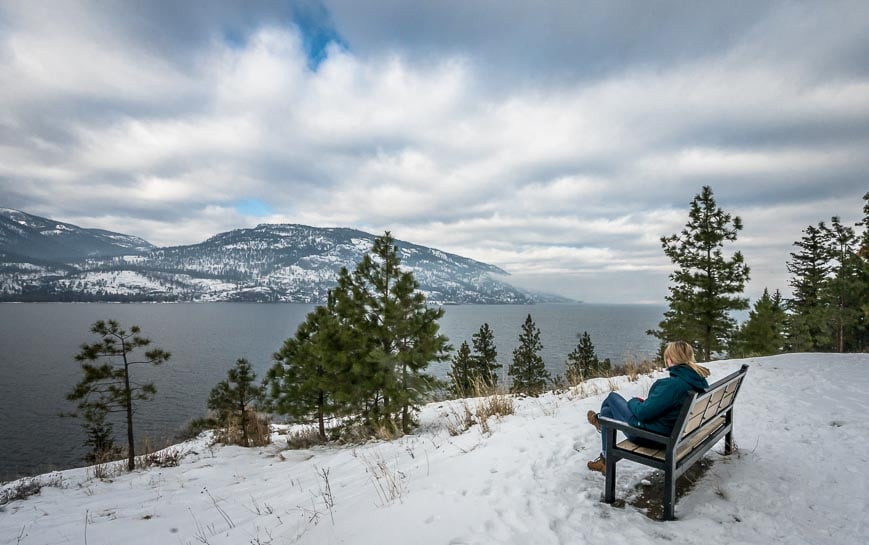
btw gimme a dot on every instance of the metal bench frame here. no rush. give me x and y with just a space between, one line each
706 432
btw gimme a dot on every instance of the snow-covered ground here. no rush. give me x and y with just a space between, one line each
800 476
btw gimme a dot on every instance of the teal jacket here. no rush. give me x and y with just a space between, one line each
658 413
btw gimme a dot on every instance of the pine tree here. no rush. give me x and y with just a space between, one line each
528 371
844 286
312 378
385 303
809 325
235 397
864 239
763 334
486 356
863 293
706 285
100 436
108 387
583 362
463 373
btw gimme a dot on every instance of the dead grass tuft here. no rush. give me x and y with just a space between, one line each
258 431
490 401
302 438
459 420
29 486
168 456
634 367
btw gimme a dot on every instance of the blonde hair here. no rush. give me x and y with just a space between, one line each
681 353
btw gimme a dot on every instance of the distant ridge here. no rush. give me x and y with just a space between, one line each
46 260
27 235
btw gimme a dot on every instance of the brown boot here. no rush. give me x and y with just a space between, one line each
598 464
593 420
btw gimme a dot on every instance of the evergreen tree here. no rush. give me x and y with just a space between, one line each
312 378
235 397
863 292
108 387
843 288
706 285
485 355
763 334
385 303
463 373
528 372
100 436
583 362
809 330
864 240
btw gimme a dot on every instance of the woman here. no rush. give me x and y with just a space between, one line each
658 413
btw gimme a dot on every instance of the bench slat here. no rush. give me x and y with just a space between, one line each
693 424
685 448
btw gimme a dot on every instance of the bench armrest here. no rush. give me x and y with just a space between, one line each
631 430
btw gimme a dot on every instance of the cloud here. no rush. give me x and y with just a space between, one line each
559 144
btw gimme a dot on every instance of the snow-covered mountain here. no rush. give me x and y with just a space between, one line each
29 236
288 263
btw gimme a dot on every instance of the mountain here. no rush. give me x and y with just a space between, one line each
43 260
30 236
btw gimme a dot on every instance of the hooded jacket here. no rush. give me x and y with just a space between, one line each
658 413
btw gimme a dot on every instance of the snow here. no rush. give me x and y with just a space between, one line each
799 477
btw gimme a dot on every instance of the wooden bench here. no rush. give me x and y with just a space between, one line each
704 419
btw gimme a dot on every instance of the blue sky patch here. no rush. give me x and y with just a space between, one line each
318 31
253 207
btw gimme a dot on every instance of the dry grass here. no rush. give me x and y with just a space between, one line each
387 431
30 486
490 401
258 431
165 457
494 400
361 432
634 367
459 420
303 438
389 482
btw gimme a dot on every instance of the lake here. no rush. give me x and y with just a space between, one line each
39 341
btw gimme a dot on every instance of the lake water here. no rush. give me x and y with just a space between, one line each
38 343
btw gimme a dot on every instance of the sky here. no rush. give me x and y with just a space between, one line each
557 140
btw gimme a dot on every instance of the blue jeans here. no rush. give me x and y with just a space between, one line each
615 407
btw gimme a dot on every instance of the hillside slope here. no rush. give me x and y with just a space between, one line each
802 428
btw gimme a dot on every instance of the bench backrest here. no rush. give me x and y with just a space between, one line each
704 412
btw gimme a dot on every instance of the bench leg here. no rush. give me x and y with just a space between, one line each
728 443
609 494
669 495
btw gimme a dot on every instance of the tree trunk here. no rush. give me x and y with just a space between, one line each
707 348
405 420
128 395
321 400
244 437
